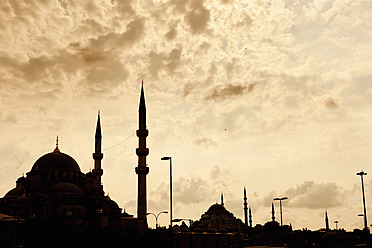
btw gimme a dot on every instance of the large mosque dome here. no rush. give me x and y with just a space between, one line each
56 160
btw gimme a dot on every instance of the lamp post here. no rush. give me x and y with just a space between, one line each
170 189
156 217
336 222
281 212
361 174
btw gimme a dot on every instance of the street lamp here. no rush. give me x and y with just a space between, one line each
336 222
170 189
361 174
156 217
281 213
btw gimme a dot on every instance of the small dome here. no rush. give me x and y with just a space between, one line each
66 189
107 202
13 193
22 201
21 180
56 161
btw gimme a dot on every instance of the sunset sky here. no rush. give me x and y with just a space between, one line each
275 96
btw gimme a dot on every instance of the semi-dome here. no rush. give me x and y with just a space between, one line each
56 161
15 192
106 202
65 188
22 201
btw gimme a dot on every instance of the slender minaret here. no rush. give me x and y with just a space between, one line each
222 204
326 221
272 211
250 217
142 170
245 208
98 155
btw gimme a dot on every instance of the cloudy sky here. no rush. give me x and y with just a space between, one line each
275 96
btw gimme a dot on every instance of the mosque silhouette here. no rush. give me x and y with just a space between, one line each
57 205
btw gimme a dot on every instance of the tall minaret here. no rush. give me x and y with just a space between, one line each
245 208
142 170
326 221
222 199
250 217
98 155
272 211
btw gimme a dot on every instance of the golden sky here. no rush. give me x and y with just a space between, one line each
275 96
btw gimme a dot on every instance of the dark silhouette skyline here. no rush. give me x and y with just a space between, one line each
275 91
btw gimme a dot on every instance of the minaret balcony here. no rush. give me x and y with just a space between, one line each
142 170
98 172
142 151
97 156
142 133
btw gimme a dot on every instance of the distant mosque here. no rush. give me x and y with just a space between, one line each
218 219
56 188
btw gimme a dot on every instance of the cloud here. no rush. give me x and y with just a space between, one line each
265 201
125 8
8 118
189 86
172 33
222 93
331 103
193 189
312 195
164 62
186 190
197 17
133 32
205 142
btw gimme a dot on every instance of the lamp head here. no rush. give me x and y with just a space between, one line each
361 173
177 220
165 158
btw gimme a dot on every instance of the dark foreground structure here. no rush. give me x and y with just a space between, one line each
57 205
56 233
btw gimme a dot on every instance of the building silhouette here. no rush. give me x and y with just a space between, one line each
218 219
55 188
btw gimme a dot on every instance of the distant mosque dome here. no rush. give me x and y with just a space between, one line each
217 209
56 160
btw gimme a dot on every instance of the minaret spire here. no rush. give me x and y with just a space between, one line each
98 155
272 212
245 208
142 105
222 204
326 221
142 170
56 149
